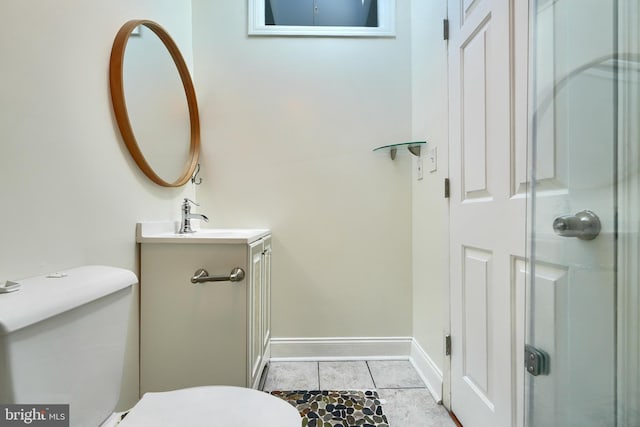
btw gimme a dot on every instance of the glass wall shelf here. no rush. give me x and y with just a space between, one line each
413 147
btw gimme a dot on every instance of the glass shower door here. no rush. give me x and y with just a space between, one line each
581 353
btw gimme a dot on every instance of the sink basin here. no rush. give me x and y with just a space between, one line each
166 232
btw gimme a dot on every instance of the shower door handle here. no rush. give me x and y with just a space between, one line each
584 225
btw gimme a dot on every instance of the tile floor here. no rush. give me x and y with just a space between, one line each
406 400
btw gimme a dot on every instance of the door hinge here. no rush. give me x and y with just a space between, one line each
447 191
447 345
536 361
445 29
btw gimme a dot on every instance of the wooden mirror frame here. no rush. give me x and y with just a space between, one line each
116 77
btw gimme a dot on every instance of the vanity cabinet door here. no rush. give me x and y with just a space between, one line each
192 335
255 302
259 307
266 299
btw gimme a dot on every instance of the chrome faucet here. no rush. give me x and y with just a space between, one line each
187 216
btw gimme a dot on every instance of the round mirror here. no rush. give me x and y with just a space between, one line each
155 103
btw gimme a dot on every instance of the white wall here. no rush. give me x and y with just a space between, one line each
288 125
429 207
71 194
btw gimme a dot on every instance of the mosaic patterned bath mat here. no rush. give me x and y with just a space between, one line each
322 408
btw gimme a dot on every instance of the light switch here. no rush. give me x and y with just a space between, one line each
432 159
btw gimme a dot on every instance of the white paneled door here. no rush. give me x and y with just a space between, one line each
488 210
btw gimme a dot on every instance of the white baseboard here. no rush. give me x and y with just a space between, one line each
340 348
427 369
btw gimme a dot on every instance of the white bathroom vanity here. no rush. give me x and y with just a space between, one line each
210 333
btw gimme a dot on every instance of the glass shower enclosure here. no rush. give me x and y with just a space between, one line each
582 352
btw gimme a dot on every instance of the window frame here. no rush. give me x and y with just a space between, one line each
385 28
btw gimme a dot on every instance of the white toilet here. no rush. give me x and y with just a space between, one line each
62 341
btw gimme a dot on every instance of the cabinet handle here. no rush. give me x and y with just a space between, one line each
201 275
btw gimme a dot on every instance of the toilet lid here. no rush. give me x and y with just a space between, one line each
212 406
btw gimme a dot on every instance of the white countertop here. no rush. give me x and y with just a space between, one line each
166 232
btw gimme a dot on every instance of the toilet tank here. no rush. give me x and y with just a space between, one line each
62 341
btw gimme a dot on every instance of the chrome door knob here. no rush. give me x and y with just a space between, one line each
584 225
